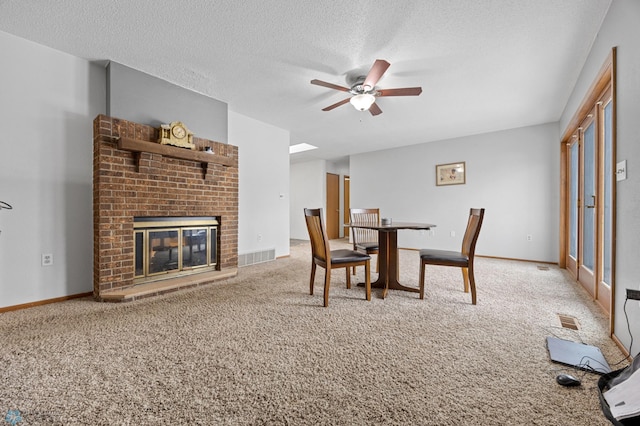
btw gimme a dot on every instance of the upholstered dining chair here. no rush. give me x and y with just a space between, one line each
462 259
323 256
365 240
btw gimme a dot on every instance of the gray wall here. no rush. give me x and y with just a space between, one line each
513 174
143 98
620 28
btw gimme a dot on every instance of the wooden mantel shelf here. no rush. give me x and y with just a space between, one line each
205 158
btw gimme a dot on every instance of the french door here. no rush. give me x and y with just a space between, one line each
590 201
587 206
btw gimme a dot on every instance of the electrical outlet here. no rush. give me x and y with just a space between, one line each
452 234
259 237
47 259
633 294
529 238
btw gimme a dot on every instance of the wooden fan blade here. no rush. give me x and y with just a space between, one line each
374 109
336 105
405 91
329 85
379 67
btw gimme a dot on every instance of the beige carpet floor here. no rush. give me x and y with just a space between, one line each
259 350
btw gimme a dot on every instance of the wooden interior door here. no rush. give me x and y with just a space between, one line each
333 206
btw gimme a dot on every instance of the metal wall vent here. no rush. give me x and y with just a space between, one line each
247 259
543 267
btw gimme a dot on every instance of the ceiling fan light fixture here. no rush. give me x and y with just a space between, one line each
363 101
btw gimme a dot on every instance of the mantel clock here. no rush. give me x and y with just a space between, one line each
176 134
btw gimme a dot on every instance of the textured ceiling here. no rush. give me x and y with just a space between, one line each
484 65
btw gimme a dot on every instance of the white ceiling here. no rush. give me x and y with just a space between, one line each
484 65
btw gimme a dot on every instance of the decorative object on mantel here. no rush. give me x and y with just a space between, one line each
208 150
176 134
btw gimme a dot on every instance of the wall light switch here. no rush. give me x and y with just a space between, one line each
621 170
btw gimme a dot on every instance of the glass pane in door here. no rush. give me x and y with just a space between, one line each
608 195
163 251
139 253
588 199
194 247
213 256
573 200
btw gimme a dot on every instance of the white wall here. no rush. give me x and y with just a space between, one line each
308 190
263 221
48 103
513 174
620 28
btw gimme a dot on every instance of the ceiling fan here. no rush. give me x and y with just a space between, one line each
364 90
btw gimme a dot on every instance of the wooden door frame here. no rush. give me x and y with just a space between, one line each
346 203
569 264
608 94
606 77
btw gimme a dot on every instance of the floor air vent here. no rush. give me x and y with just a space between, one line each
567 321
543 268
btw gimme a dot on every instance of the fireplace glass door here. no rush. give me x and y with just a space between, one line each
174 247
163 251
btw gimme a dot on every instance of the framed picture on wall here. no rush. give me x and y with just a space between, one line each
450 174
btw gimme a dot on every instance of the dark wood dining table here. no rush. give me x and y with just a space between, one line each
388 265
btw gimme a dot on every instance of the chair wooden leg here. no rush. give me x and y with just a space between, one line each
327 281
348 277
422 267
472 282
313 277
465 278
367 279
353 270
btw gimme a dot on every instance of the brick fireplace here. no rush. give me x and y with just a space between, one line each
135 177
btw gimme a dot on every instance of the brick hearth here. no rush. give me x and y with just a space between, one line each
169 181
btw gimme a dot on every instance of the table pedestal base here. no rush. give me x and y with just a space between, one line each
388 264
